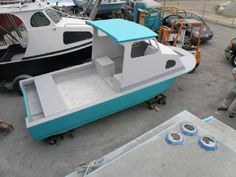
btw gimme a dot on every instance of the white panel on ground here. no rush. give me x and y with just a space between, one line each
152 154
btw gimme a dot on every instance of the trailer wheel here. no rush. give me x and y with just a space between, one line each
16 82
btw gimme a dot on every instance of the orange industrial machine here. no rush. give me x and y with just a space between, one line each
164 34
178 36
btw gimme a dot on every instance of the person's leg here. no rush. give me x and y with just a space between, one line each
227 101
233 112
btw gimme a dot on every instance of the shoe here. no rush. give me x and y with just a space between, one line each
231 115
222 108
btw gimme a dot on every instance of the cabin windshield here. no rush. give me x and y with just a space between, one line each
55 18
143 48
59 13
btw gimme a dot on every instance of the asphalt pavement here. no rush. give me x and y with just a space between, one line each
199 93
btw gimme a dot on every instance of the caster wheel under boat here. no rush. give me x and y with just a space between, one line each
51 141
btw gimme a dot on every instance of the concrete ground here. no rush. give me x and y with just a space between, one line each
205 9
199 93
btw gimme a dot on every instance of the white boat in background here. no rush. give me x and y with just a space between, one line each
66 6
40 41
128 67
61 3
106 7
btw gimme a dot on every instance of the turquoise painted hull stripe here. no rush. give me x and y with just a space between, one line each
208 119
25 102
212 118
77 119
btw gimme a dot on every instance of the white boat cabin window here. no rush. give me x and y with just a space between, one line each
74 36
53 16
39 19
143 48
59 13
170 64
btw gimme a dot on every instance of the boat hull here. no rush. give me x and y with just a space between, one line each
101 110
43 64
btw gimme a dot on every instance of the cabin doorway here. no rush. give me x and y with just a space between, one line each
13 38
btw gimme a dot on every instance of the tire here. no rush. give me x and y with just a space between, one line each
16 86
233 60
16 83
164 102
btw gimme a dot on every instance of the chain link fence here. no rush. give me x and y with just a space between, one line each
207 9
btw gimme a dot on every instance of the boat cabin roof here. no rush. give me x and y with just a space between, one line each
122 30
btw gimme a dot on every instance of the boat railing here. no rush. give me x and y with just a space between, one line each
72 24
64 14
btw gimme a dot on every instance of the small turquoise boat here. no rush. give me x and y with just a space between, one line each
128 67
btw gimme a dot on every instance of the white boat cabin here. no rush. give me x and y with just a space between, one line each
49 32
132 56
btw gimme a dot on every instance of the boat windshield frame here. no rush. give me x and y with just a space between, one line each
153 42
58 13
52 15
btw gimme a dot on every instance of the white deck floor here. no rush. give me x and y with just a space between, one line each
82 87
151 155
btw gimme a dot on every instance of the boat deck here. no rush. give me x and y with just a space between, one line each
82 88
151 155
69 89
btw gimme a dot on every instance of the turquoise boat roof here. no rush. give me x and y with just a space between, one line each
122 30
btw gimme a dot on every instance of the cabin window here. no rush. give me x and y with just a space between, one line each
72 36
58 13
52 15
39 19
170 64
143 48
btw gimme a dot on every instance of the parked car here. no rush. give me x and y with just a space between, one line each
207 32
230 52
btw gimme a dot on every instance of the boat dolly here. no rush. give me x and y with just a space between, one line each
52 140
159 99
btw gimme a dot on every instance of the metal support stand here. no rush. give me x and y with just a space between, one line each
204 10
95 9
